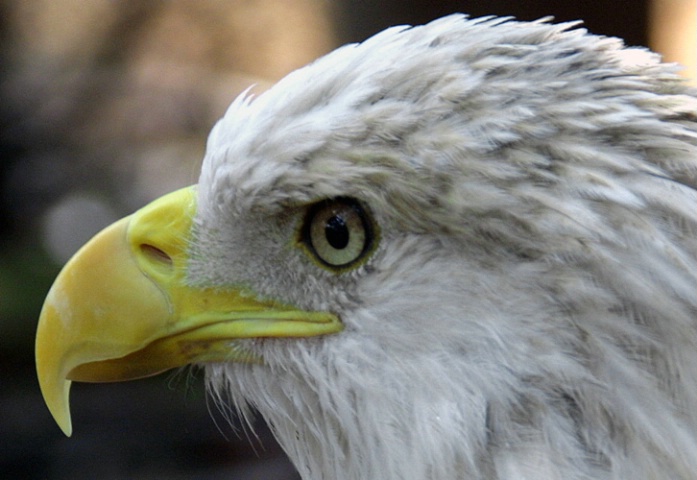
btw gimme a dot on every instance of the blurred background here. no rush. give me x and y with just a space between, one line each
104 106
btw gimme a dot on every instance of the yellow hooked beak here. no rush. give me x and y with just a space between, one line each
121 308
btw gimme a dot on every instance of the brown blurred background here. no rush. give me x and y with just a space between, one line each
105 105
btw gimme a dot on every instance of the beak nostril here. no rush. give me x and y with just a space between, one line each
155 254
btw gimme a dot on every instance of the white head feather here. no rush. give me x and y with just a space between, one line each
530 311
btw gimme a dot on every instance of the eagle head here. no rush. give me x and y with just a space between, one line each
461 250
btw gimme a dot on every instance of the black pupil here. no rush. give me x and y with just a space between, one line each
337 232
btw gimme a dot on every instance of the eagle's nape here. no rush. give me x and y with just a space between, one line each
461 250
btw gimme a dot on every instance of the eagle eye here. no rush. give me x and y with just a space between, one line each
338 233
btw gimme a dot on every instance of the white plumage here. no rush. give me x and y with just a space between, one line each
525 306
531 310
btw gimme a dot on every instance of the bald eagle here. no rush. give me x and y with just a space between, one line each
465 250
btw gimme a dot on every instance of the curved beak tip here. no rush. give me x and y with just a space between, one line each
56 392
60 410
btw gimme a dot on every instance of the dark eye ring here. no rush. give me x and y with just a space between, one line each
338 232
